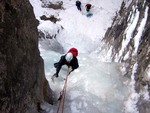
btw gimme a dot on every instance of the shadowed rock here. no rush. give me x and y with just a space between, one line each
23 85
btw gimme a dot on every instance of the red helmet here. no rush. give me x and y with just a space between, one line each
88 4
74 51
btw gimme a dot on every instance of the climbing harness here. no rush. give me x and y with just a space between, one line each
63 94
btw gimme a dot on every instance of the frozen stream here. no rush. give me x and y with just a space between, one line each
95 86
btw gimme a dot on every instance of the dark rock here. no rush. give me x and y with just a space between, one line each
22 81
58 5
144 106
52 18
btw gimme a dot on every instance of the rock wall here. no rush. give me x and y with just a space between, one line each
117 33
22 81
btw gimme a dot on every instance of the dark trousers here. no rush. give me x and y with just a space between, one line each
79 8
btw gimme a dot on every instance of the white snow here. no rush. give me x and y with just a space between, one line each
133 98
127 3
127 55
148 73
145 93
137 38
129 31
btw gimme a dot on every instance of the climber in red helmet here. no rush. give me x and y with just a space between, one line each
69 59
88 7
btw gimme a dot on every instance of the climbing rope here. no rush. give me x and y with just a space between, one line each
62 94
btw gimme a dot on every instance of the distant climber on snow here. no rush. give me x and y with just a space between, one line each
69 59
88 7
78 4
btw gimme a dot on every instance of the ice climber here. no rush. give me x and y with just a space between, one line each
69 59
88 7
78 4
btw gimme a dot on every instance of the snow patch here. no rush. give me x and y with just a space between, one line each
129 32
137 38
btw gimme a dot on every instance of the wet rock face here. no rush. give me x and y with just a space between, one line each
117 33
52 18
22 81
56 6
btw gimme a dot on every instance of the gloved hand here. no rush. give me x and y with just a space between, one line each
71 71
56 75
55 65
